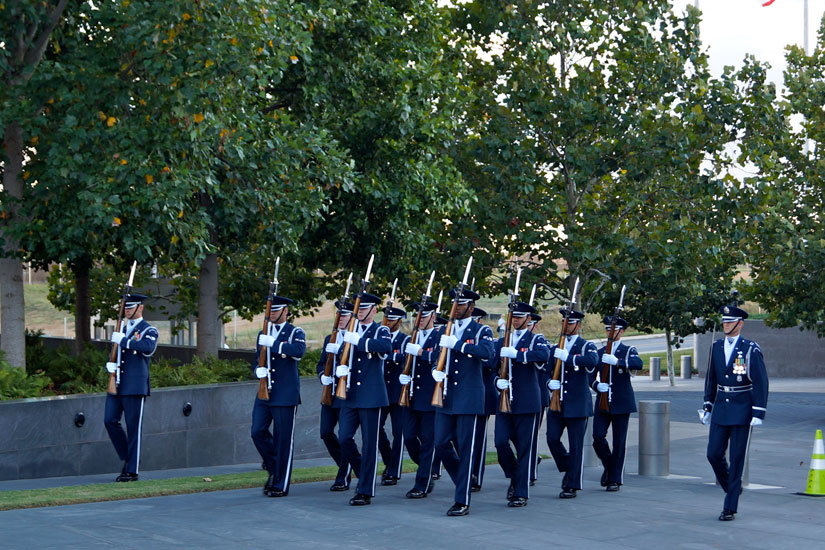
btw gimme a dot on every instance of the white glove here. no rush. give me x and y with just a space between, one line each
756 421
561 354
554 385
332 348
341 370
117 337
260 372
404 379
111 367
439 375
326 380
502 384
509 352
265 340
704 416
448 341
352 338
610 359
601 387
412 349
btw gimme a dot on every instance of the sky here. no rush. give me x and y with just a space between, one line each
732 28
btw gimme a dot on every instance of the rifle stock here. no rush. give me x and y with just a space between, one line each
555 398
604 398
263 383
404 398
438 392
504 369
341 388
111 388
326 391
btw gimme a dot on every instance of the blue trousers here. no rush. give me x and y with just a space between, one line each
729 476
456 446
479 462
392 453
520 429
275 447
570 461
130 407
419 438
329 419
613 461
365 464
534 465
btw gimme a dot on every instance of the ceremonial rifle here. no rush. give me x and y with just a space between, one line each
326 391
114 378
438 393
404 398
390 302
506 395
265 384
343 381
555 399
606 398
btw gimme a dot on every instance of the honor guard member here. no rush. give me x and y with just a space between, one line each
366 395
285 344
468 347
579 359
736 397
527 354
330 413
440 323
543 376
419 418
621 398
490 407
391 453
136 344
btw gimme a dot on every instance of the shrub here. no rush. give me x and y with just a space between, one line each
15 383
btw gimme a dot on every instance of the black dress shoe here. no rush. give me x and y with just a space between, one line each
511 492
276 492
127 476
726 515
604 478
458 510
270 483
338 487
430 487
518 502
612 487
389 480
360 500
567 493
416 493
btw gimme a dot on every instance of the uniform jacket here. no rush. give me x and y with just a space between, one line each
736 408
422 384
282 361
134 352
394 364
367 388
576 399
464 384
622 398
544 374
530 358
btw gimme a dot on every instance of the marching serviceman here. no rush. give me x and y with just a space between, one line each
440 323
527 353
490 406
136 344
736 397
543 376
467 347
391 453
419 418
330 413
622 360
579 359
366 394
286 345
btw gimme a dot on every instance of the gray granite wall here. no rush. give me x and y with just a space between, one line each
38 437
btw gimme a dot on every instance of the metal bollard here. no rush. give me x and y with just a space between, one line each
686 366
655 368
654 438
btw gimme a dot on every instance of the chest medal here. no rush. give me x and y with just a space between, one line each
739 366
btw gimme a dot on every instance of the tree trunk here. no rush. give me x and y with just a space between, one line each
669 358
12 302
82 306
208 330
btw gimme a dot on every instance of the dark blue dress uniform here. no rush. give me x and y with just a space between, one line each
276 447
134 352
490 407
391 453
366 394
622 403
464 394
419 419
736 391
576 408
329 417
519 426
543 376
